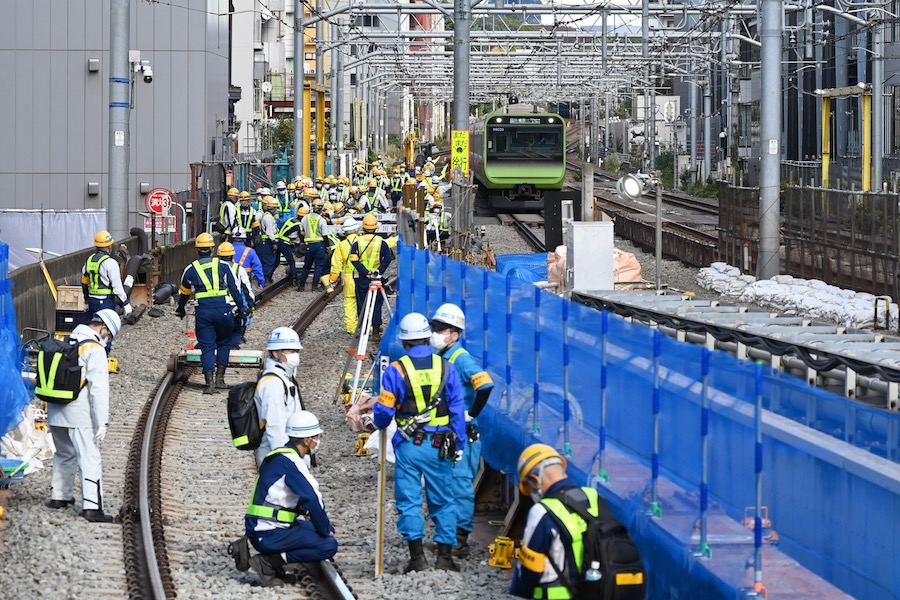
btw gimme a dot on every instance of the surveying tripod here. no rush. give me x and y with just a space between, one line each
352 388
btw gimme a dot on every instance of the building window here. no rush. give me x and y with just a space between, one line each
309 56
367 21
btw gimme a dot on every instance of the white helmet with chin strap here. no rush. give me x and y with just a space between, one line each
450 314
414 326
302 424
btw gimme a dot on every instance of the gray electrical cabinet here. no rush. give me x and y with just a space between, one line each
590 255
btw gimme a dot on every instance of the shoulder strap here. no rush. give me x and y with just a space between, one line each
275 375
608 523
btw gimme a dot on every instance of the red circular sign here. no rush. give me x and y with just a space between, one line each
158 200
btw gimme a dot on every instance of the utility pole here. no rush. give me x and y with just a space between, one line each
301 146
320 93
462 16
877 100
337 100
645 56
768 264
119 117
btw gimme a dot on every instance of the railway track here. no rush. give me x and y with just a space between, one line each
172 490
521 223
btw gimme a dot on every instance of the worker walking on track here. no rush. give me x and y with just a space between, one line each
277 394
225 252
267 246
247 258
423 392
79 426
286 519
287 238
212 283
370 256
342 269
101 281
228 214
447 324
314 234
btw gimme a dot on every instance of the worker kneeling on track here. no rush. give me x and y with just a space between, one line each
286 519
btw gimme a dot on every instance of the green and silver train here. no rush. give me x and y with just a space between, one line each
517 156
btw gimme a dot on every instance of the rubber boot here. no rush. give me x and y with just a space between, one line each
462 544
220 378
417 560
445 558
210 383
267 567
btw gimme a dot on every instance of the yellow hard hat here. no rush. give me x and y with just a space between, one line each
338 207
330 180
225 249
372 182
103 239
233 192
310 193
270 202
320 180
370 223
317 204
302 211
291 187
531 458
245 196
204 240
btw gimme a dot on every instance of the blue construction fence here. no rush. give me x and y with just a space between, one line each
13 395
558 366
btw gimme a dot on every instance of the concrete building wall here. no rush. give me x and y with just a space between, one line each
54 114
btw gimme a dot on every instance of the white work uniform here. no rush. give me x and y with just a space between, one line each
72 425
267 226
274 407
229 216
109 278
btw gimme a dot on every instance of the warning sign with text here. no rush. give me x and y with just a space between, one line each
459 151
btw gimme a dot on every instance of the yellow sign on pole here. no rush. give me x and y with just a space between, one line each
459 151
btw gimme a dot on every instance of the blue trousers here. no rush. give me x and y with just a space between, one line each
267 257
412 464
464 485
95 305
214 328
285 250
315 254
362 288
300 541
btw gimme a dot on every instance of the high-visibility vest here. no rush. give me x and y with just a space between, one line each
209 277
224 204
416 379
370 255
243 258
282 233
245 217
92 269
312 234
273 512
576 527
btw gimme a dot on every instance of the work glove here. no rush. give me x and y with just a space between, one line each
458 456
100 433
128 309
179 312
469 418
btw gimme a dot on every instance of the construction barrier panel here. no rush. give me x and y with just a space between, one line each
13 396
834 506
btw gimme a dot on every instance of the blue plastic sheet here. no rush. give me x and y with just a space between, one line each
13 395
835 505
527 267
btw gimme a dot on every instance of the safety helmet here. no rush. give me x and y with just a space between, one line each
370 223
108 317
320 180
284 338
414 326
270 202
534 457
350 225
245 196
372 182
298 179
266 191
450 314
317 205
310 193
420 176
435 179
280 186
360 169
396 170
204 241
259 191
103 239
302 211
233 192
437 205
338 207
225 249
330 180
344 179
302 424
354 189
238 235
291 186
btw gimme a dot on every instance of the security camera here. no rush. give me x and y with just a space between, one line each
148 75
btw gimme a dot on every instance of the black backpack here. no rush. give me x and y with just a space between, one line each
58 372
607 543
243 418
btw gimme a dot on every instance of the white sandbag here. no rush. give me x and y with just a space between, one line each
372 444
23 441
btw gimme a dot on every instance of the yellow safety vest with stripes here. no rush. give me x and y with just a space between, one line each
275 513
92 269
370 255
416 380
209 277
312 221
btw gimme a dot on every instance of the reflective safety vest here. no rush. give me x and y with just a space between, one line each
245 217
209 277
442 225
334 239
282 233
370 255
92 268
397 183
415 401
272 512
224 205
284 203
243 258
576 527
312 235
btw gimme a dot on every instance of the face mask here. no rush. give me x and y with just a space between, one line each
439 341
292 361
317 448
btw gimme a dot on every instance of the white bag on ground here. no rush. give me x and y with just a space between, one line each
373 442
24 440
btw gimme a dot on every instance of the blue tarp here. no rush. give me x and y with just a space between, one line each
13 395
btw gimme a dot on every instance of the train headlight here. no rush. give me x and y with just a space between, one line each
499 119
551 120
630 187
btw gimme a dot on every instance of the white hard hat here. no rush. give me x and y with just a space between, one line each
284 338
108 317
414 326
350 225
266 191
302 424
280 186
450 314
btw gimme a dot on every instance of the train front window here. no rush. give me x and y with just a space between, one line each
533 143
